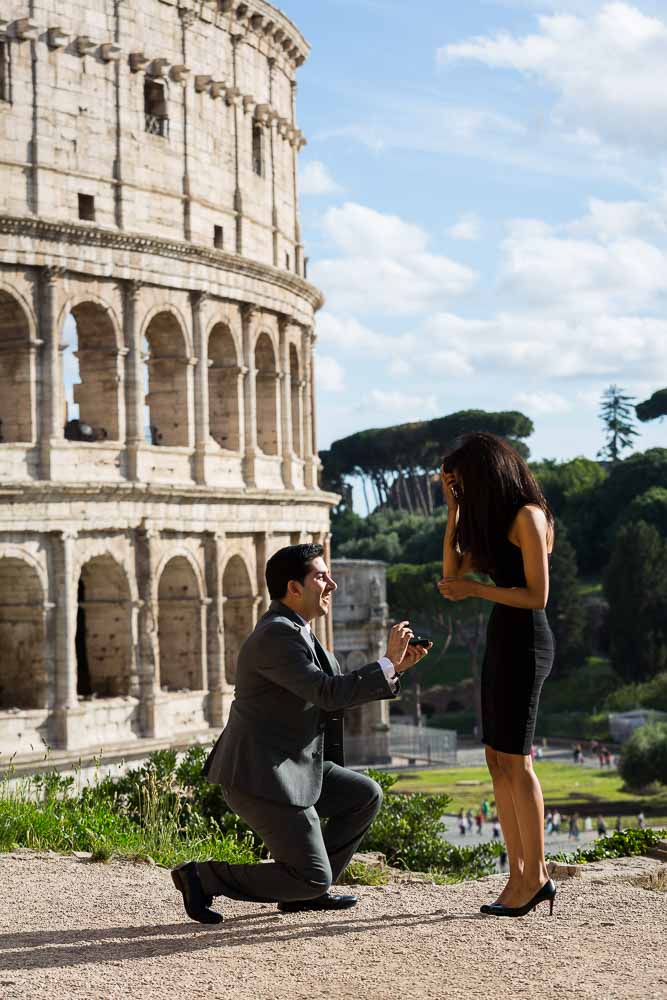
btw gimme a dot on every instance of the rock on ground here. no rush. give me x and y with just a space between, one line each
70 928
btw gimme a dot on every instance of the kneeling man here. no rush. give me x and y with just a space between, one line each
280 758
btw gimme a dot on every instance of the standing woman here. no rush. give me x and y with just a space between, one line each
500 524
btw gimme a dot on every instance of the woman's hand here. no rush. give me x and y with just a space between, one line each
456 588
448 482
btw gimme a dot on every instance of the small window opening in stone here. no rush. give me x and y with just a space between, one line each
87 207
218 237
4 71
288 262
258 150
305 266
155 108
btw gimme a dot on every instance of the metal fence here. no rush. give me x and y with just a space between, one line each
421 744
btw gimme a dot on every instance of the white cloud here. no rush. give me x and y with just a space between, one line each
543 403
330 374
315 179
345 333
402 406
608 68
385 265
468 227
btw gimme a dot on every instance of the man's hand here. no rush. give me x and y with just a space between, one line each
399 652
413 655
456 588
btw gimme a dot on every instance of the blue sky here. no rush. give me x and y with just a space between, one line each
484 204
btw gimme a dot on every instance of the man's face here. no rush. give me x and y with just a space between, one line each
318 587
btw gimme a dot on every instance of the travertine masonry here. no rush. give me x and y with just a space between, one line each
156 360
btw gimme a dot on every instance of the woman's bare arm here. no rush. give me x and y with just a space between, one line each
530 532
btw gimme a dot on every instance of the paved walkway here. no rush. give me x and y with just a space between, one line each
71 930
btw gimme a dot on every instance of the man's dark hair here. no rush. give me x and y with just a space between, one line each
290 563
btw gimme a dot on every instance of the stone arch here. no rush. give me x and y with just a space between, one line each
92 377
295 401
180 601
167 359
17 401
223 389
104 629
266 378
23 677
238 611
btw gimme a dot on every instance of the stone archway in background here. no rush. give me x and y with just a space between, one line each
104 630
179 627
23 680
223 390
16 392
238 612
167 398
267 395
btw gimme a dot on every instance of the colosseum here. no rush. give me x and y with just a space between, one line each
157 420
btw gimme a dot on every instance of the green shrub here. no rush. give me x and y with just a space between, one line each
573 725
644 756
409 829
623 844
650 694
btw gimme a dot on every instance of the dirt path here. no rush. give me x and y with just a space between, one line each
72 929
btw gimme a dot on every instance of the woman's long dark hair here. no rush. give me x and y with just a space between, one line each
496 483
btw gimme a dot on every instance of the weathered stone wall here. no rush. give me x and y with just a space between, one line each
360 636
149 254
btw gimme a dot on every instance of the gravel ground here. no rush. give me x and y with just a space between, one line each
73 929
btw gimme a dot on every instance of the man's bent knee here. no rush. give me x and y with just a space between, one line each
315 881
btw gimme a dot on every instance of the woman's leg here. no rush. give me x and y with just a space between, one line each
529 815
508 821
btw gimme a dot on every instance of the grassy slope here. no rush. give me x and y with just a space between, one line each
583 787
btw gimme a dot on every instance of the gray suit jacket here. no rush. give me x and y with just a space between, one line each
286 717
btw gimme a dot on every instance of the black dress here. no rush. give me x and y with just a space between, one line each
518 658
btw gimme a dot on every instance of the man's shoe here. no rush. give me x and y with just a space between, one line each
325 902
195 901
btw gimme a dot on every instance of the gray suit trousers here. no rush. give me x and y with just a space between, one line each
307 859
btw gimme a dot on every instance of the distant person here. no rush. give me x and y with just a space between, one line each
486 809
500 524
607 757
495 828
573 832
602 827
576 751
619 825
470 820
479 820
549 821
588 825
602 756
539 752
556 821
641 820
462 823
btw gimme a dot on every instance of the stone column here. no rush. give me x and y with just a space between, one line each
149 650
52 415
286 404
249 313
299 264
66 708
202 413
215 636
135 390
262 548
309 447
204 604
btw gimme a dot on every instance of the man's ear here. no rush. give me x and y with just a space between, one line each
294 589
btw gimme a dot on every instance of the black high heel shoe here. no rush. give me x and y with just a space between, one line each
547 894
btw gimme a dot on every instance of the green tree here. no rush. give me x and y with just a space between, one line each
644 757
650 507
636 588
567 614
654 408
617 415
